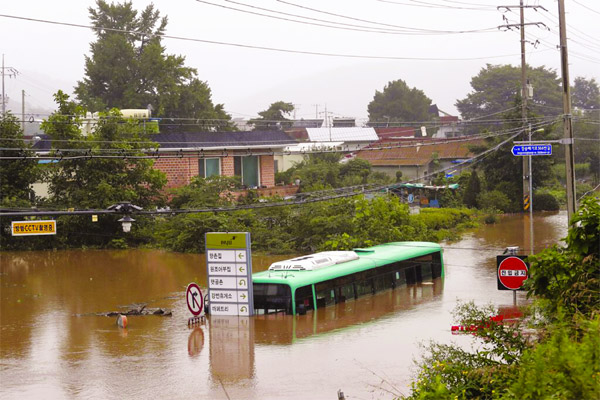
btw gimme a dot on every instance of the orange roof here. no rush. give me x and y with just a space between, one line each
421 151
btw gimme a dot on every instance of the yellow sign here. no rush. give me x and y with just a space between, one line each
526 203
235 240
30 228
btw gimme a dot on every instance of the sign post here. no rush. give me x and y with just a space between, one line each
195 303
512 272
229 273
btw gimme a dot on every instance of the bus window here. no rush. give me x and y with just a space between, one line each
325 296
382 282
304 298
426 271
411 277
364 287
271 297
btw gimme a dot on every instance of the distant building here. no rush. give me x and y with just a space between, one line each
344 122
449 127
416 158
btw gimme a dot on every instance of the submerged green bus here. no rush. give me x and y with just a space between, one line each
318 280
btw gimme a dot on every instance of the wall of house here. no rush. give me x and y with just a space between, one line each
409 172
227 168
267 171
179 171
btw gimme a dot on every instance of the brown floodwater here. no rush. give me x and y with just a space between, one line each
52 348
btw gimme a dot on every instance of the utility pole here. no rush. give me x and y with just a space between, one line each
526 172
316 111
527 195
10 71
567 122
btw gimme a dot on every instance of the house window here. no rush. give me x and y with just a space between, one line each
246 167
208 167
276 165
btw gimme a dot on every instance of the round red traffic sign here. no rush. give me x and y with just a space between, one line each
194 298
512 272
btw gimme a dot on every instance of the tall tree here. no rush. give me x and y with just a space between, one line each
399 103
129 68
274 117
503 171
496 87
586 94
97 182
16 175
473 189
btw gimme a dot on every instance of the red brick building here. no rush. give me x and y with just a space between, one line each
249 155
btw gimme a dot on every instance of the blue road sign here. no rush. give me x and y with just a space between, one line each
532 150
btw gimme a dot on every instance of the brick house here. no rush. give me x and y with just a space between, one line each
249 155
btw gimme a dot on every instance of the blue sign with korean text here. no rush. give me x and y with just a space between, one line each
532 150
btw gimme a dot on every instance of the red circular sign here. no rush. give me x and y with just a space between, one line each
512 272
195 301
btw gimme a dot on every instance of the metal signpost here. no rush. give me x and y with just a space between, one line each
229 273
31 228
512 272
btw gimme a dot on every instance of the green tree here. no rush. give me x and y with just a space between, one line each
97 182
503 171
496 87
274 117
586 94
132 70
16 176
568 276
473 190
399 103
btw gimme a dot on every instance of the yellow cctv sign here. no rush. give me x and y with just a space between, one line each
30 228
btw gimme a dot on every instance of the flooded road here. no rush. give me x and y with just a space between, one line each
50 349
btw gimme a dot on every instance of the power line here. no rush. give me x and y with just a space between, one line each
246 46
119 153
337 195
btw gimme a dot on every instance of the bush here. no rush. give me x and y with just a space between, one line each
545 202
494 200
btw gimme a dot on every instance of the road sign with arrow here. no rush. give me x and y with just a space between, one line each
229 271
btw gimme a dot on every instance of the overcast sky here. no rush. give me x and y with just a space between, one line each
51 57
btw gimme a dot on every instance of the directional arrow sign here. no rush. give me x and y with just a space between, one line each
532 150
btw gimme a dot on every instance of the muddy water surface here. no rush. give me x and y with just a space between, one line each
51 348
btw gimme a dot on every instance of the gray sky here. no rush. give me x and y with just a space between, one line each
51 57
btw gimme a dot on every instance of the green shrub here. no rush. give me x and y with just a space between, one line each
494 200
545 202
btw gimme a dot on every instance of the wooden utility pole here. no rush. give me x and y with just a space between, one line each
567 117
527 195
526 172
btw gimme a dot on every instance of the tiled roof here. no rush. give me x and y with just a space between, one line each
266 139
342 134
421 151
254 139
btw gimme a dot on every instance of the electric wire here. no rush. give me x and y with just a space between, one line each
337 195
254 47
120 153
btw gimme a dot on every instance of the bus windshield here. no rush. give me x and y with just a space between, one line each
272 298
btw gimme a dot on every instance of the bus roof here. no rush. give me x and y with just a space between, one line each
367 258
